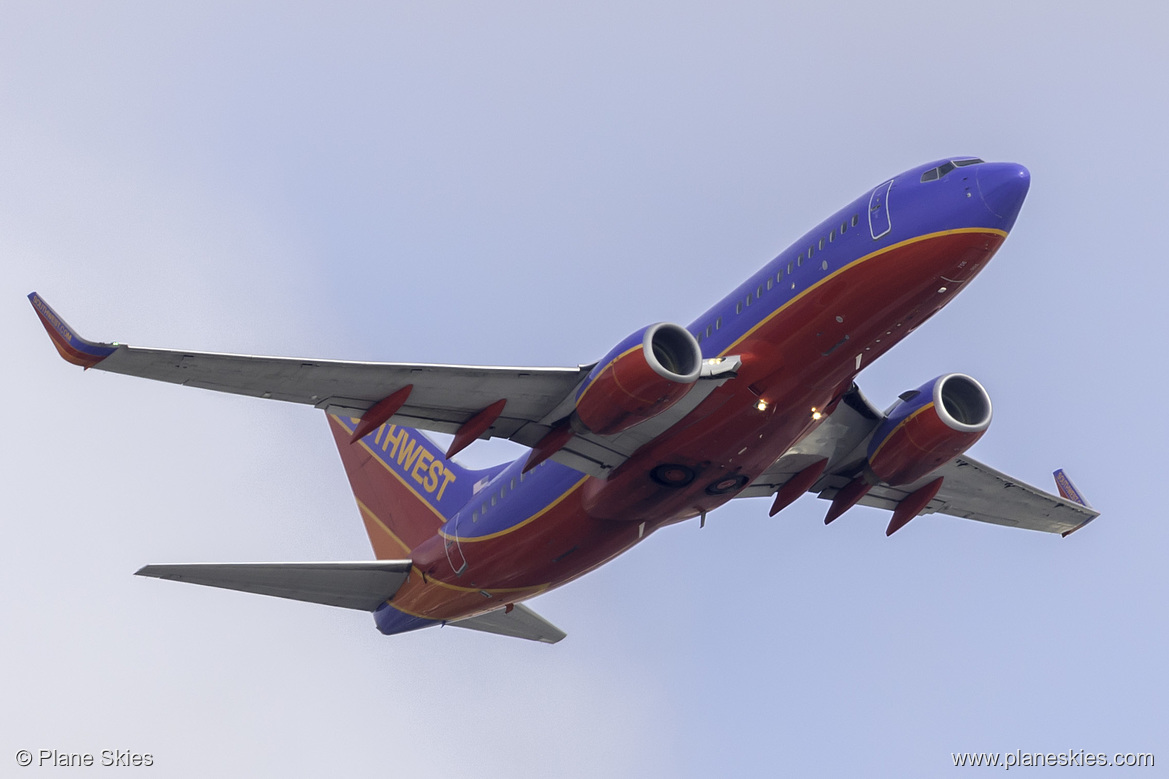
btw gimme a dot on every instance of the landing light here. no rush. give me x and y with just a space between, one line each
761 405
815 413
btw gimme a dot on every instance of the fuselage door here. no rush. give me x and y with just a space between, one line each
454 552
879 223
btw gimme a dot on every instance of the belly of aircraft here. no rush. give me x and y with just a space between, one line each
796 363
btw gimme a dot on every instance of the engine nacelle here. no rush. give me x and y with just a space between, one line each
640 378
931 426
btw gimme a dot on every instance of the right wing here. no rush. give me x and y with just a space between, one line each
969 490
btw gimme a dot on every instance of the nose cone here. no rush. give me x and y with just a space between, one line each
1003 187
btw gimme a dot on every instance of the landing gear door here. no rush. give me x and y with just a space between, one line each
879 223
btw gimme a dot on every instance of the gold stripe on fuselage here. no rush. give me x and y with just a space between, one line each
517 526
962 230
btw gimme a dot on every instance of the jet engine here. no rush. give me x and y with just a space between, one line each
640 378
929 427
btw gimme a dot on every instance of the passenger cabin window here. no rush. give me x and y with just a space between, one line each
855 219
718 323
739 307
831 236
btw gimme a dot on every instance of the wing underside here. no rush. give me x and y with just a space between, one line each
439 398
970 489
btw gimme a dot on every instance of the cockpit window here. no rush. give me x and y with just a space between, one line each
933 174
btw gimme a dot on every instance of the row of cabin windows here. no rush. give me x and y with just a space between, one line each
798 262
791 266
496 497
702 334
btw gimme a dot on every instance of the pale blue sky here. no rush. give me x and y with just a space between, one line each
521 184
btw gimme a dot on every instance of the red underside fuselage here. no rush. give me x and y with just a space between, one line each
799 359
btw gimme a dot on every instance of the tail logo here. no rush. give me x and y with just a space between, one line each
411 458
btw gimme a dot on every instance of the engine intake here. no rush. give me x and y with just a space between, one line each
640 378
931 426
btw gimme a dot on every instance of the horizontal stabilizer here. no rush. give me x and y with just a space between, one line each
359 585
519 622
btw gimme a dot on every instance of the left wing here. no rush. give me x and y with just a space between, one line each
442 397
468 401
969 489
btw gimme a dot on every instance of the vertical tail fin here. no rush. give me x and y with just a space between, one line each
405 488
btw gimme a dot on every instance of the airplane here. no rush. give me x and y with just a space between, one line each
756 397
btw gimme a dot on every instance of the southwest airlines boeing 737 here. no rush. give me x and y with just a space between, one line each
756 397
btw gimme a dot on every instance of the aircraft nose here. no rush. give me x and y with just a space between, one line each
1003 187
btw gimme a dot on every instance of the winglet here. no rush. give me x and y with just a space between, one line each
1067 490
71 346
